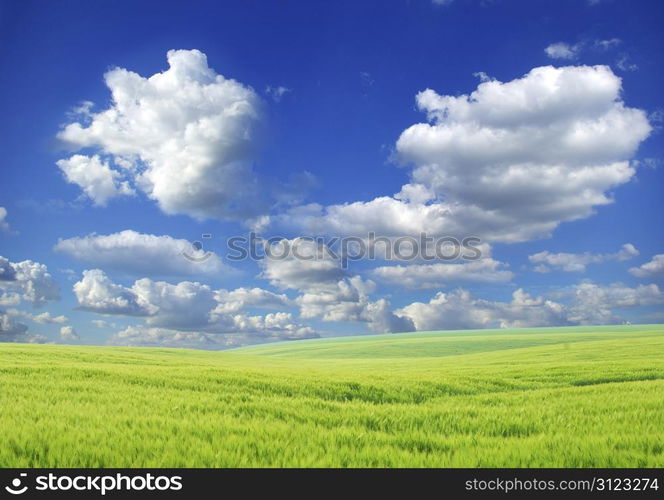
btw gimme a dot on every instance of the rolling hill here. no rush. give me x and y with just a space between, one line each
542 397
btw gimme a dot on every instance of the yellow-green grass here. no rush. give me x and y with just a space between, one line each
566 397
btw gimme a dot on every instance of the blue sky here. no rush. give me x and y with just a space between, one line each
319 120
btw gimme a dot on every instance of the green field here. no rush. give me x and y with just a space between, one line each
565 397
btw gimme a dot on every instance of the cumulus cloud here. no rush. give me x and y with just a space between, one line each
185 304
14 331
348 300
152 336
508 162
135 253
577 262
386 216
7 271
45 318
523 156
326 290
26 280
459 309
9 327
189 306
271 329
182 305
277 325
583 304
652 269
241 298
486 270
68 334
96 292
595 304
185 136
36 282
95 177
344 300
316 266
381 319
9 298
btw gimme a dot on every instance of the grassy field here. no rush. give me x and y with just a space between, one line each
568 397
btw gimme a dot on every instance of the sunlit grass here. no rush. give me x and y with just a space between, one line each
586 397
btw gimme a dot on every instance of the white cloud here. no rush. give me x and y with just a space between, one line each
151 336
509 162
271 329
344 300
95 177
327 291
316 267
595 304
4 225
82 110
577 262
607 44
68 333
381 319
348 300
459 310
583 304
386 216
183 305
277 93
236 300
189 306
513 160
100 323
7 271
14 331
278 326
10 327
624 64
567 51
141 254
28 280
652 269
185 136
247 330
562 50
44 318
97 293
9 298
36 282
486 270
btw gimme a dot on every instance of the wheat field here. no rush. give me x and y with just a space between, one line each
549 397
